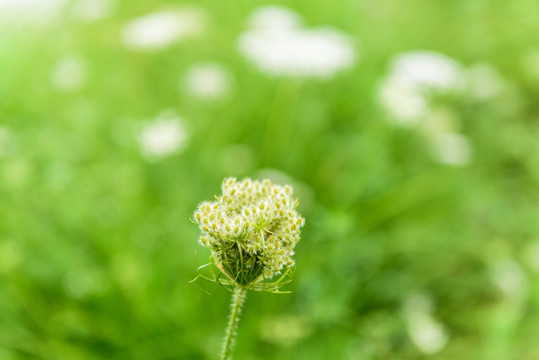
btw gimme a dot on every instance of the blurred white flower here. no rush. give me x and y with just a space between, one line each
163 136
484 81
406 105
428 334
159 30
34 10
274 17
511 279
278 46
7 141
427 71
69 74
92 10
413 76
207 81
406 92
451 149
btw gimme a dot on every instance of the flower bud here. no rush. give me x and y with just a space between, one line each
251 230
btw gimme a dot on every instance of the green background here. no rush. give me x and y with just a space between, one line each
96 246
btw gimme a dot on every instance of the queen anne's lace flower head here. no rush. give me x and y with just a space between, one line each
251 229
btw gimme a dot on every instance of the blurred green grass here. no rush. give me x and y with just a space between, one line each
96 246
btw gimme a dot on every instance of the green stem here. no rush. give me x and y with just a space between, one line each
235 310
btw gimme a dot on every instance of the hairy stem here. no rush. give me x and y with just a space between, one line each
235 310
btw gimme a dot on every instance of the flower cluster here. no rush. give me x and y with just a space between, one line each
251 229
413 77
278 44
415 92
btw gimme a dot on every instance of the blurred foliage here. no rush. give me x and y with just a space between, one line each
96 246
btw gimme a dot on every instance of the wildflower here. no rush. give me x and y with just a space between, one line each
407 93
69 74
426 332
405 105
427 71
413 77
163 136
251 229
511 279
207 81
159 30
278 45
